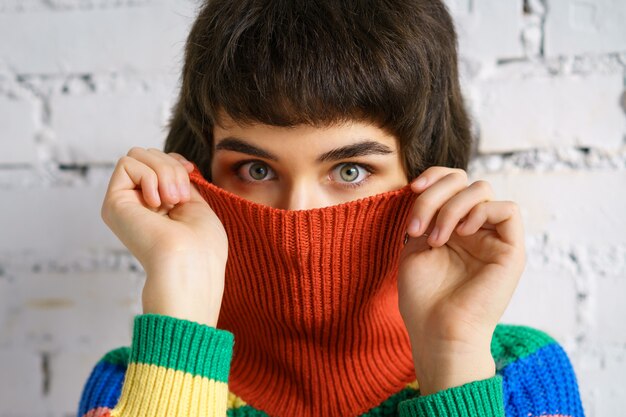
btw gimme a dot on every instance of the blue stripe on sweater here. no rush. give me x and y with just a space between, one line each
103 388
543 383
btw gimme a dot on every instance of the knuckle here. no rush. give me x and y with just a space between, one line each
159 153
483 206
462 175
455 173
448 213
436 169
512 207
184 178
479 209
429 170
482 185
124 160
460 171
108 209
180 169
151 177
167 175
422 205
134 150
113 205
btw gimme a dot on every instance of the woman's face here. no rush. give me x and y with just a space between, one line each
305 167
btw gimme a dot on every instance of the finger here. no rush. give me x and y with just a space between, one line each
195 194
456 208
129 174
173 179
432 199
432 175
188 165
503 216
195 212
182 184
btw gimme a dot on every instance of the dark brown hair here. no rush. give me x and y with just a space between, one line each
320 62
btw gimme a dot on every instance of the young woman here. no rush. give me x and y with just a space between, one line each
311 244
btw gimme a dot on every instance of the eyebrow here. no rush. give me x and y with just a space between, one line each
231 143
367 147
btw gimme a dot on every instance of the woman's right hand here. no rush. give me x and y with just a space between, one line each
159 215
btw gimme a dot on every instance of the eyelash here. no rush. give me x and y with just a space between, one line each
370 169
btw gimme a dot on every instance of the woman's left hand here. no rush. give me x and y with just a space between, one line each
455 283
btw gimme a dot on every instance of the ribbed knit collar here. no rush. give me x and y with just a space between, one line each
311 297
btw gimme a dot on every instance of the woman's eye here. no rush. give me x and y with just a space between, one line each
350 173
254 171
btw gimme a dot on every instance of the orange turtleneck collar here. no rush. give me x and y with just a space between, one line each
311 297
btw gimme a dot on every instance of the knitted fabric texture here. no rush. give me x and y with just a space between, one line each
177 368
311 297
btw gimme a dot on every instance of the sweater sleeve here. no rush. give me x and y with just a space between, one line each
534 378
173 367
477 399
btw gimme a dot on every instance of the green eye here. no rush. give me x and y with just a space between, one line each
349 172
253 172
257 171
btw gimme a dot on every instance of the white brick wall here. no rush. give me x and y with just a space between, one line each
17 118
112 121
541 112
54 220
143 39
585 26
81 81
478 20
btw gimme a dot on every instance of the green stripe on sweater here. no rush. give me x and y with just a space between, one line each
389 407
117 356
245 411
511 342
182 345
477 399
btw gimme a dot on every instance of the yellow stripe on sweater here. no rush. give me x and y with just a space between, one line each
234 401
413 385
155 391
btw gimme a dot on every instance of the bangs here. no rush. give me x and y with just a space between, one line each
324 62
295 62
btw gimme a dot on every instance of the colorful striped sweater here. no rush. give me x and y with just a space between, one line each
175 367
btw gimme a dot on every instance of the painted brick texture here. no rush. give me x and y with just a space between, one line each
82 81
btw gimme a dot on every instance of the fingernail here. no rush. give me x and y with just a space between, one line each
414 227
156 196
434 234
